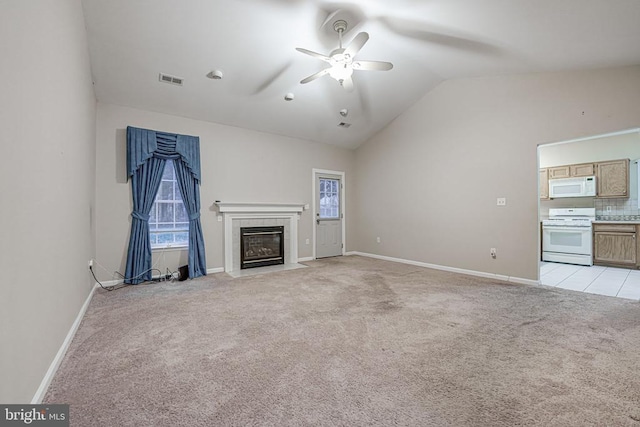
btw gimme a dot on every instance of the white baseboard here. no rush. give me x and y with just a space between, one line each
307 258
450 269
215 270
108 283
55 364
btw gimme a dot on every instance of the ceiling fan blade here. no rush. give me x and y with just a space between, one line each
356 44
314 54
441 36
347 84
272 78
315 76
372 65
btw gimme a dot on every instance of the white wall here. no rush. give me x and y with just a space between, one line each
623 146
238 165
427 184
47 122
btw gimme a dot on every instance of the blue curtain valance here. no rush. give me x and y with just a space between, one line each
144 144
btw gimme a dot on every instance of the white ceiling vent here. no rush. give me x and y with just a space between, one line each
344 125
166 78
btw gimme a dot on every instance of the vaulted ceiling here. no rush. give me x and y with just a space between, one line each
253 43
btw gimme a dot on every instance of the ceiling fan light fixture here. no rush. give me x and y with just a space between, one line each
341 71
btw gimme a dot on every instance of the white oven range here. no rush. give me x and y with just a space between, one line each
566 236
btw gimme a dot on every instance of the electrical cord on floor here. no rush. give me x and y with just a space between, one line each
159 278
173 275
107 288
123 285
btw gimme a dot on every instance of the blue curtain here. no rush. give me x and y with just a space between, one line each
144 187
147 151
189 188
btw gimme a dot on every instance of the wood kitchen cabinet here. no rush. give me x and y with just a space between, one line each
612 178
559 172
570 171
615 245
544 184
584 169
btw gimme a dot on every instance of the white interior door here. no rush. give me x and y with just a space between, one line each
328 215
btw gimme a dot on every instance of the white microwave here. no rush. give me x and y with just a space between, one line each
584 186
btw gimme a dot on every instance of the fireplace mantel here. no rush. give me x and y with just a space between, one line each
228 207
234 212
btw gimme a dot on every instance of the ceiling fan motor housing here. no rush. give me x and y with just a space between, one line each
340 26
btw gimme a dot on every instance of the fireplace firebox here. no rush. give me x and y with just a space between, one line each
261 246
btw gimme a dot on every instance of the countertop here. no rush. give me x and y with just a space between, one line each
602 221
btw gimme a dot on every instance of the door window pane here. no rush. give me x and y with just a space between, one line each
329 198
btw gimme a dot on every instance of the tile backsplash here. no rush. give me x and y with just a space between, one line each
616 209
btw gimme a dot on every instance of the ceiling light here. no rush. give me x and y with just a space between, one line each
341 68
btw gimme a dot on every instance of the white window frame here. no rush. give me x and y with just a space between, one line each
152 226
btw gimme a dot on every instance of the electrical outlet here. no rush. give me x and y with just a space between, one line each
306 241
494 253
378 239
90 263
502 201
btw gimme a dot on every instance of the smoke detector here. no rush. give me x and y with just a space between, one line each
215 75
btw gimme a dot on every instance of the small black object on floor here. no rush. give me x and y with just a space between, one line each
183 273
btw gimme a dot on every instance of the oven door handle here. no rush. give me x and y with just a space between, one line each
562 228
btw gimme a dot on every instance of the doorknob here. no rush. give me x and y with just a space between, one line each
317 221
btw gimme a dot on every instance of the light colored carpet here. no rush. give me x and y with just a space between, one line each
352 341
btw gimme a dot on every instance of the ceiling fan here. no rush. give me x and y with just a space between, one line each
342 59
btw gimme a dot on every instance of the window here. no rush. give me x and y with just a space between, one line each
329 198
168 219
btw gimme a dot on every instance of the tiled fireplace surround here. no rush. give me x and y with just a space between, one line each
237 215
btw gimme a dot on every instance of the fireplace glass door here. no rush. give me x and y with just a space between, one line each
261 246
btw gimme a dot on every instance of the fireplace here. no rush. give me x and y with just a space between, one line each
261 246
258 214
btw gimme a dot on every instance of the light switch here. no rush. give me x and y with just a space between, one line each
502 201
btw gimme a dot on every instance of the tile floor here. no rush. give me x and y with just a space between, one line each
614 282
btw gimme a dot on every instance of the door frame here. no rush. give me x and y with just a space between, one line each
343 207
